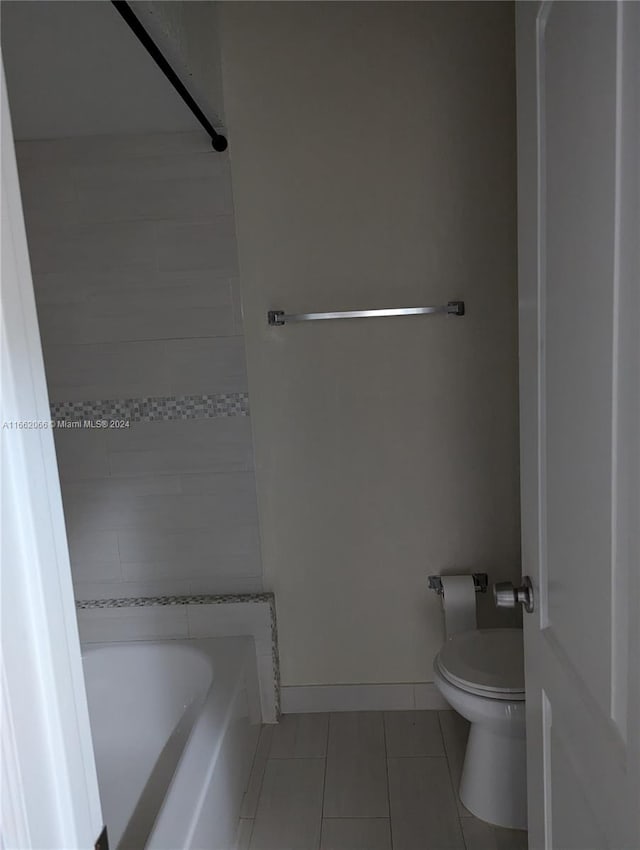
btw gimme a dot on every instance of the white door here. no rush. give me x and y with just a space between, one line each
48 785
579 232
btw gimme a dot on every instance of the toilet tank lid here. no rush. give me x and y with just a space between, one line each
486 658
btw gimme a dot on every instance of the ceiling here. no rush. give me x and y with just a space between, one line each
74 68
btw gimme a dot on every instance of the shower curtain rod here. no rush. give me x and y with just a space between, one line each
218 142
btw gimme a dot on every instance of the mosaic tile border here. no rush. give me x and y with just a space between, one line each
153 408
202 599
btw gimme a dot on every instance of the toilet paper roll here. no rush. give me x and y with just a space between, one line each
459 601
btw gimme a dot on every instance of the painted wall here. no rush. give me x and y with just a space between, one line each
187 33
133 254
74 67
373 162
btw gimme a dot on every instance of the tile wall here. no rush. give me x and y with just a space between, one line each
133 253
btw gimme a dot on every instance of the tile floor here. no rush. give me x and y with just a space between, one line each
364 781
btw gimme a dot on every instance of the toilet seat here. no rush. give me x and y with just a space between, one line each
486 662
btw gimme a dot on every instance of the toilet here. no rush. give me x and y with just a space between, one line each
480 673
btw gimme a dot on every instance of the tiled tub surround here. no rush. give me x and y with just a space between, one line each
133 254
195 616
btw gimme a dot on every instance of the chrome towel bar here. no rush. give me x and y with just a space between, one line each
279 317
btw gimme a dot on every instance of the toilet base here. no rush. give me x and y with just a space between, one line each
494 777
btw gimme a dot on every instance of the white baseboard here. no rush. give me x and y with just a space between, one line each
302 699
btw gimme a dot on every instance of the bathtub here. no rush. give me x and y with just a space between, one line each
175 726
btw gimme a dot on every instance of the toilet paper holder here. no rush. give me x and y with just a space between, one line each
480 583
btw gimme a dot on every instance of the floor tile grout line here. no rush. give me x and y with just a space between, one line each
253 764
352 817
386 760
324 778
255 756
259 794
456 795
253 826
420 756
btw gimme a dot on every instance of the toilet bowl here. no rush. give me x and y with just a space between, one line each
481 675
